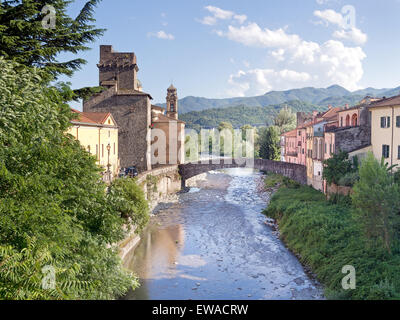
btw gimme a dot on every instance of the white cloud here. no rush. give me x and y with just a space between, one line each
220 14
354 35
278 54
259 81
330 16
296 62
161 35
253 35
346 31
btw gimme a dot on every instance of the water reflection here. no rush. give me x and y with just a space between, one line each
214 244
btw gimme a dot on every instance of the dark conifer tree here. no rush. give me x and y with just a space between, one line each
24 39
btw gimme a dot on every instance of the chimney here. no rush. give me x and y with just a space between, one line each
330 107
347 106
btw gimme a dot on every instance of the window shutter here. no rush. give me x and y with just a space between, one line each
383 122
398 121
388 122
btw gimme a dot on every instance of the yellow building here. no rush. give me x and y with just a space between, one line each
98 134
385 129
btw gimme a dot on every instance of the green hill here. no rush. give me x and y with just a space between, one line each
334 95
241 115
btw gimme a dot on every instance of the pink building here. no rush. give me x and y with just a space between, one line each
291 150
301 145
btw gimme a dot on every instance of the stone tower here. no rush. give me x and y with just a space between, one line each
118 69
172 102
129 105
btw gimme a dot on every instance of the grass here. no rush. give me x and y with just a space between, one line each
326 237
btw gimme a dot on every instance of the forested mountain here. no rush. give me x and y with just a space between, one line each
241 115
335 95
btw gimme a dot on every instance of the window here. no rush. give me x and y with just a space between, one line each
398 152
88 149
97 151
341 121
385 122
398 121
102 150
354 120
109 133
385 151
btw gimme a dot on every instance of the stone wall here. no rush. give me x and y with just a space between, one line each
133 117
350 139
293 171
158 184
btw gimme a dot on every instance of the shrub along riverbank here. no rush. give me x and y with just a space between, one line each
327 236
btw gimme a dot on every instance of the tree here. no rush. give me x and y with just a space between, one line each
226 139
285 120
136 210
52 202
24 39
269 147
337 167
376 201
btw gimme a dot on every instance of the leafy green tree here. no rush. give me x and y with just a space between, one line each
269 146
226 139
52 203
24 39
136 210
285 120
337 167
376 201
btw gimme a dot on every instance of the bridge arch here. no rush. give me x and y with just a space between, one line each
293 171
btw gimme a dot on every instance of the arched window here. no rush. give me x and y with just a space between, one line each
348 121
354 120
172 107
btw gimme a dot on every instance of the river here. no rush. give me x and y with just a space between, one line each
213 244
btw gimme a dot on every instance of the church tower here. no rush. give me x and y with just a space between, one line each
172 102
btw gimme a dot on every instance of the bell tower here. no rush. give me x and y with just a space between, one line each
172 102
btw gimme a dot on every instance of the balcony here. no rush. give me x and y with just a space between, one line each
292 154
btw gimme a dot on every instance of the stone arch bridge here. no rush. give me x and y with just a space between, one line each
293 171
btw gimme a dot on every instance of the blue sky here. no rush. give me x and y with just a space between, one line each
226 48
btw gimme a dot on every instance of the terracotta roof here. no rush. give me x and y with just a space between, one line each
132 92
351 108
331 112
393 101
157 107
162 118
91 117
292 133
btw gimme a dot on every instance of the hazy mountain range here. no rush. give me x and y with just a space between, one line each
334 95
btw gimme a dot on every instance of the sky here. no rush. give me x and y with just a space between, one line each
230 48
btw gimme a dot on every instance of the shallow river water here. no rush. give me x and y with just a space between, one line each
214 244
